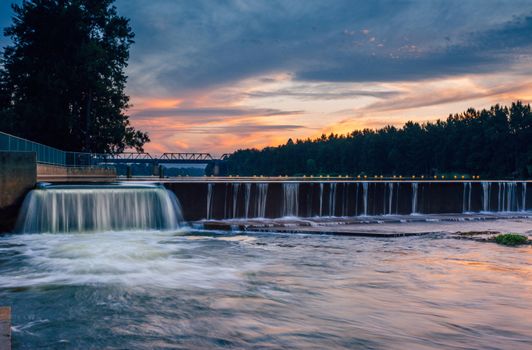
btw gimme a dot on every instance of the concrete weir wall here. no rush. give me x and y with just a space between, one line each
18 174
230 199
48 170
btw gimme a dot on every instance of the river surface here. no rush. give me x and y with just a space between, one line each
198 290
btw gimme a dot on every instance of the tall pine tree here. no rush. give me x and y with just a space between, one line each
62 80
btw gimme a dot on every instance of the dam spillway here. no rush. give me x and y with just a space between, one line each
254 199
145 206
98 208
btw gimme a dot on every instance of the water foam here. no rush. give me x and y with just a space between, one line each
143 259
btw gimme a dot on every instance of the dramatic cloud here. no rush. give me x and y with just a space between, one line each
322 91
216 76
212 113
197 44
461 91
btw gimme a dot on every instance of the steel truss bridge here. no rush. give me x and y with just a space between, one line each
165 158
125 162
53 156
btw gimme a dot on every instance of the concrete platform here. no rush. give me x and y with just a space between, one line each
387 226
5 328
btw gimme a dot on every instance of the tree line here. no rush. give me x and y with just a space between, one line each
494 142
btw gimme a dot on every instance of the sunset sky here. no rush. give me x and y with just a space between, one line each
217 76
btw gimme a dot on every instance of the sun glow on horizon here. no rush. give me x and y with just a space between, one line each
269 110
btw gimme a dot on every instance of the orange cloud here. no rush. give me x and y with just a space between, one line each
267 111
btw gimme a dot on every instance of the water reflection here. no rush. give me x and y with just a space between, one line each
197 290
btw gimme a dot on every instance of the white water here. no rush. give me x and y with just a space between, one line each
332 199
262 196
414 197
321 198
151 291
390 197
486 193
209 200
81 209
291 199
236 186
365 194
466 199
125 258
523 196
356 199
247 198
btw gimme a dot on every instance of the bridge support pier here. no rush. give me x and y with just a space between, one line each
156 169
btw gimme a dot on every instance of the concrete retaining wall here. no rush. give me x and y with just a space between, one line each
18 174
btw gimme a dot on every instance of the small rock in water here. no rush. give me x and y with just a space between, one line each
478 233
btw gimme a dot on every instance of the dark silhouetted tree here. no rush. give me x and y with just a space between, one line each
62 80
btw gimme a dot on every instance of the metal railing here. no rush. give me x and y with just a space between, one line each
49 155
45 154
53 156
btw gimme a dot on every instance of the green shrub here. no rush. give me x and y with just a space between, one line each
511 239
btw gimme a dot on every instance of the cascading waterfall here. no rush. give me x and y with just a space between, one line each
397 200
332 199
365 198
414 197
84 208
226 189
247 198
390 197
508 198
523 196
261 199
119 207
501 189
384 200
321 198
469 198
290 205
466 199
509 202
505 196
236 187
486 192
210 187
356 199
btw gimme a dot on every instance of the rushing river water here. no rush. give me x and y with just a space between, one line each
195 290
